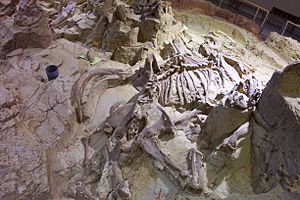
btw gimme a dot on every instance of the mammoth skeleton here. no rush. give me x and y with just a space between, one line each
188 80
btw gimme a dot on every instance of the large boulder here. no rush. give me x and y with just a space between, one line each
225 141
28 29
276 128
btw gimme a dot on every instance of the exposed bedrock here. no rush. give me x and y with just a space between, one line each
31 121
275 139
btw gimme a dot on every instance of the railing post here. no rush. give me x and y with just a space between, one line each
265 19
220 3
283 30
257 10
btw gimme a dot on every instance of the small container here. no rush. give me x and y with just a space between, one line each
52 72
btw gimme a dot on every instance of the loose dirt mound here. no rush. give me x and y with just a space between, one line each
207 8
286 47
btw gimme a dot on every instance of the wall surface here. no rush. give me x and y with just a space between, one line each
289 6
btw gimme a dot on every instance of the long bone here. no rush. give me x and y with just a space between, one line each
66 11
118 122
113 78
198 177
117 179
115 146
147 140
26 3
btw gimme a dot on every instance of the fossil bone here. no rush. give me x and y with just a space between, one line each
198 180
110 78
66 11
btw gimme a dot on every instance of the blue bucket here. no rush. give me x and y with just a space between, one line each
52 72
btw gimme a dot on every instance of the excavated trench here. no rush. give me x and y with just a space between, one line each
152 101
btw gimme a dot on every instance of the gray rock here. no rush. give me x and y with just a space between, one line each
276 128
128 55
